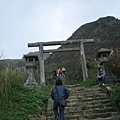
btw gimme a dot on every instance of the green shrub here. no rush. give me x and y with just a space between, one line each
116 96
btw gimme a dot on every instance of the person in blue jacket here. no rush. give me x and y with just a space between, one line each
63 92
101 76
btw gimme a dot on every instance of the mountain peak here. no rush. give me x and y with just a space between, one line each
103 28
106 19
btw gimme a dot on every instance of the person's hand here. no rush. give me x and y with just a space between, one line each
99 76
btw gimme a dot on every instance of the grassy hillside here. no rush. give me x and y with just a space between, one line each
18 102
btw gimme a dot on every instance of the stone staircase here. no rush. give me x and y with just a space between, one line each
86 104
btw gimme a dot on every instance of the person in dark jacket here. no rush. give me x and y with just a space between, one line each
54 74
63 92
101 76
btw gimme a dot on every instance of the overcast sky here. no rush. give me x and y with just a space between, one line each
29 21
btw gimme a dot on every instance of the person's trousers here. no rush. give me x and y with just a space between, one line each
61 110
100 80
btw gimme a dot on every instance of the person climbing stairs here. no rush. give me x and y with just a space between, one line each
86 104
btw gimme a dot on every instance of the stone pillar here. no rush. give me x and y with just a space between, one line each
83 62
41 60
31 69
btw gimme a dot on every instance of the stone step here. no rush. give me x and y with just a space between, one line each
74 116
86 93
67 113
99 110
72 86
99 105
108 118
103 101
70 117
87 99
103 116
68 110
80 118
79 110
97 115
84 89
88 104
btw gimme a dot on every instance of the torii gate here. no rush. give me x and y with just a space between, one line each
68 42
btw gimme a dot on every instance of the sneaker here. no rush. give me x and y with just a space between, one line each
103 84
99 85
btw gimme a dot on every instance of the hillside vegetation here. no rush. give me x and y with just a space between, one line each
18 102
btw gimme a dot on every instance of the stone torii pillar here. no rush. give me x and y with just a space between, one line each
41 59
83 61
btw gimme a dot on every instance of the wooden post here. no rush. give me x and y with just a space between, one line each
41 60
